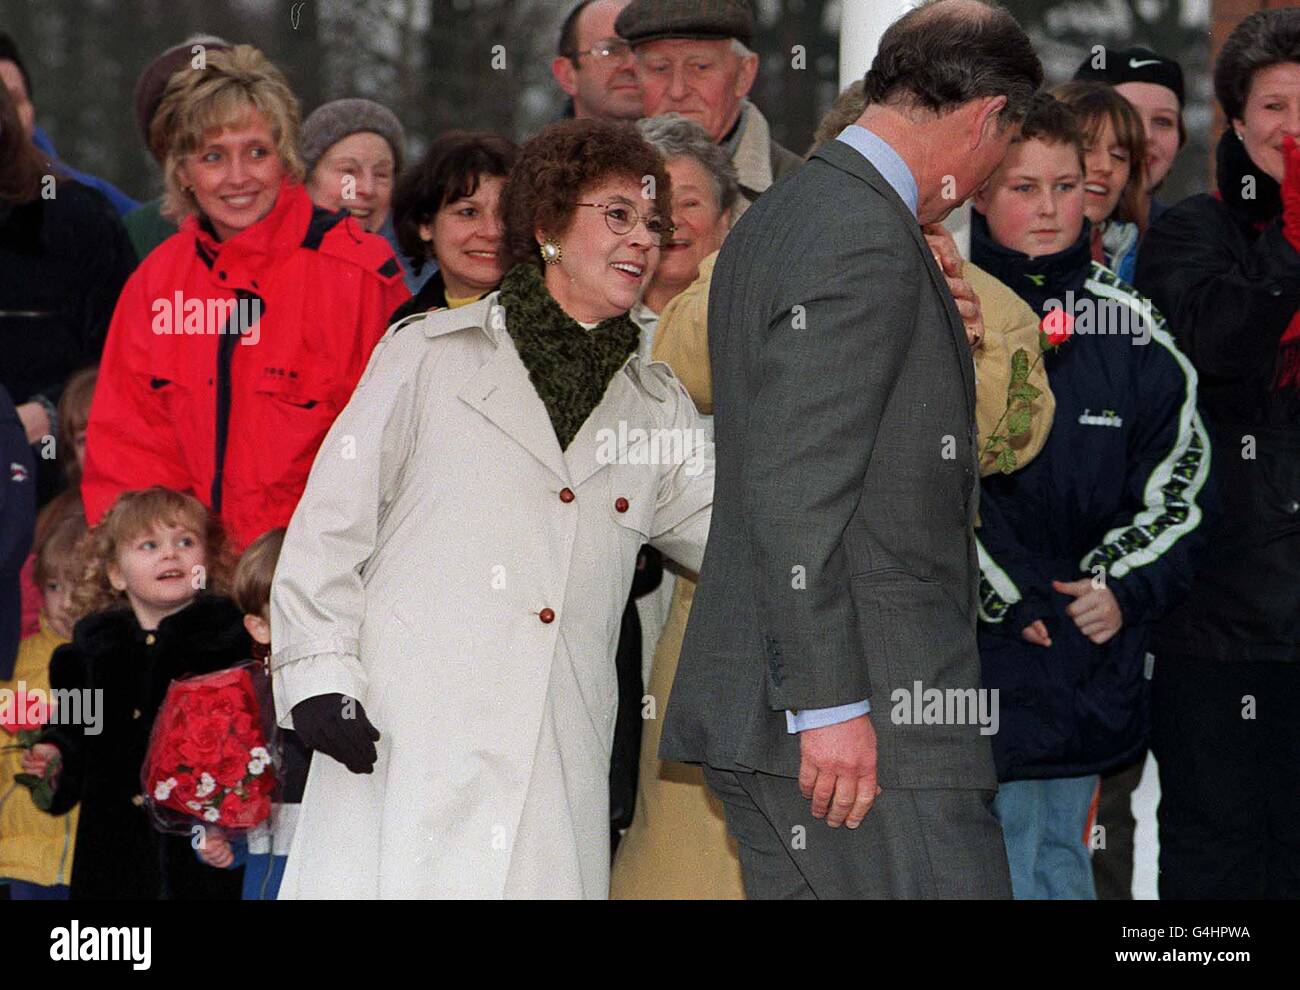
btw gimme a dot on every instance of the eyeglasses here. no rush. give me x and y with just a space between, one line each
621 219
611 48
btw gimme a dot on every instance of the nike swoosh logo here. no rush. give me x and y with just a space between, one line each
1135 64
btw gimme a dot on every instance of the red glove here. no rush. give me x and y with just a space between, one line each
1291 191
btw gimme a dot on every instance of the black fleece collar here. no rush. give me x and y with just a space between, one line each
1233 166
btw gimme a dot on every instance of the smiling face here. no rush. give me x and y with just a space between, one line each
1272 112
465 236
356 174
700 222
1158 107
1034 203
601 274
703 80
1108 168
235 174
157 571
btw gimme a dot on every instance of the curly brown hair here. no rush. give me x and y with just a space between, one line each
558 166
133 515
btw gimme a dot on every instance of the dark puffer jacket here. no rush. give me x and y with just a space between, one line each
1228 281
1120 489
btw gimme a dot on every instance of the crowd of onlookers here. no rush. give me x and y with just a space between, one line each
171 374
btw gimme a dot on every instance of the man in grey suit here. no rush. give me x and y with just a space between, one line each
838 592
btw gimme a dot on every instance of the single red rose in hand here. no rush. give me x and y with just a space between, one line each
1056 327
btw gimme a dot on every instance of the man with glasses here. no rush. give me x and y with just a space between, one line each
595 66
694 59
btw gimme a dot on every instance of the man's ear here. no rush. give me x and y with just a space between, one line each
746 76
566 76
986 125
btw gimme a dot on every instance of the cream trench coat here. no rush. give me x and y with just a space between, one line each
464 578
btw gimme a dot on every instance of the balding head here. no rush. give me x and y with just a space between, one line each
946 53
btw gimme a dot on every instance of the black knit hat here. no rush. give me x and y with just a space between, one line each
653 20
1122 65
9 50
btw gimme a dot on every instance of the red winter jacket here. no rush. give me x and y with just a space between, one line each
183 400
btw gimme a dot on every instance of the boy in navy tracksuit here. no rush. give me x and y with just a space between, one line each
1082 549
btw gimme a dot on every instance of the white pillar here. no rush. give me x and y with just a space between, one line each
862 22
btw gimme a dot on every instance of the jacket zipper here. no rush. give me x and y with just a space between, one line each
229 338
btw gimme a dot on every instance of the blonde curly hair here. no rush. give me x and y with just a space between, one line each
198 101
136 514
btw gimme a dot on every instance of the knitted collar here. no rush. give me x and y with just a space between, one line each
570 367
1261 199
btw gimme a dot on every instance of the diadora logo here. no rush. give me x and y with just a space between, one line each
1038 280
1108 417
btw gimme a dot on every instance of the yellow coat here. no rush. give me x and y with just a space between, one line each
678 845
34 846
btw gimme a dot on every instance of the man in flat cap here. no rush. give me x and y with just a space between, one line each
694 59
1154 85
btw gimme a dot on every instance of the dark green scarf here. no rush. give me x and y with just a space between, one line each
569 366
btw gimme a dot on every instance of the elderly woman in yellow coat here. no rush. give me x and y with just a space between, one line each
459 562
678 845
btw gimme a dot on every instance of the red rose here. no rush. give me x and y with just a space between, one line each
201 745
1057 327
24 711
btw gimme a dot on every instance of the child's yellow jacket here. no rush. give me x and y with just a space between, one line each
34 846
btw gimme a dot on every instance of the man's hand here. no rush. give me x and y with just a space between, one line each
837 771
951 263
1094 610
336 725
1036 633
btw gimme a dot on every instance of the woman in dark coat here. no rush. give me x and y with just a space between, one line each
1224 268
64 257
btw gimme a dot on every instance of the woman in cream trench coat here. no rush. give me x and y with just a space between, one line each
463 577
435 572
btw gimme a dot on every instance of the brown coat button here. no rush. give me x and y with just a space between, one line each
138 800
547 615
620 504
566 495
150 639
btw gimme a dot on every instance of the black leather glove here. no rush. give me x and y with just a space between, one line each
336 725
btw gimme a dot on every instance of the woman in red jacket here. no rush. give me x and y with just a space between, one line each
240 338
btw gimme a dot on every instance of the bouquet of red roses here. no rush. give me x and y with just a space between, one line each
210 753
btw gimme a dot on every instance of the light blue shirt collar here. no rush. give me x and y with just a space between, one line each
885 160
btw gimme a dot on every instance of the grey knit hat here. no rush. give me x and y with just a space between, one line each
332 122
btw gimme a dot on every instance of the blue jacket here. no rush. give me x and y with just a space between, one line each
1119 493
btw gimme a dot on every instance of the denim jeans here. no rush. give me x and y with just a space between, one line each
1043 824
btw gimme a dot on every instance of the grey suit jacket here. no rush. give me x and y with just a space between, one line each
840 563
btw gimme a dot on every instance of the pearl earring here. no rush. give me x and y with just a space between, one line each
551 252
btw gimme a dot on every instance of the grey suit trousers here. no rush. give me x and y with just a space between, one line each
914 843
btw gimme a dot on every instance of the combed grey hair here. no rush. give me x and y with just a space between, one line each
674 136
1265 38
